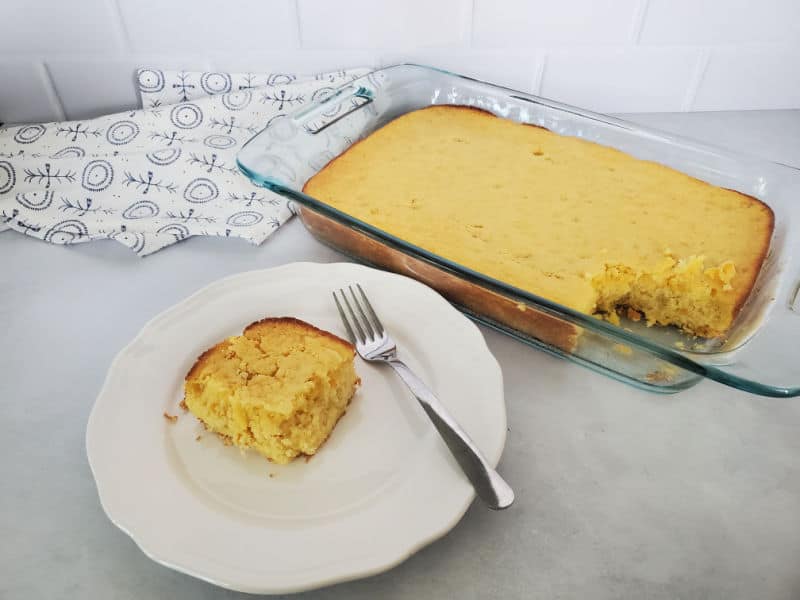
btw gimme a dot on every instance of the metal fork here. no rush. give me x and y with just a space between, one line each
374 344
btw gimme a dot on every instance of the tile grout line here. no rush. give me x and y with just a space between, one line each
122 28
696 81
470 37
52 91
538 77
639 15
299 29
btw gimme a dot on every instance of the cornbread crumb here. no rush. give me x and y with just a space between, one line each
623 349
279 388
680 345
198 438
633 315
182 404
657 377
662 375
169 417
581 224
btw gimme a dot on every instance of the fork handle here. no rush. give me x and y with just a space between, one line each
488 483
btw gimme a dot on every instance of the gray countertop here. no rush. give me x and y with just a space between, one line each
620 493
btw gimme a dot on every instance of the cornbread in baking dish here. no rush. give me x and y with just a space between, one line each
578 223
279 388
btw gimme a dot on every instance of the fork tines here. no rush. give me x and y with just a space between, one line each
362 324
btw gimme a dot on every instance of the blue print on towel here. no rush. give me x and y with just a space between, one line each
122 132
29 134
215 83
186 116
97 175
69 152
8 177
35 200
245 218
151 80
220 142
67 232
143 209
200 191
179 231
165 156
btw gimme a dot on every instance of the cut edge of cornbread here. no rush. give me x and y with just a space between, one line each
640 291
253 405
688 303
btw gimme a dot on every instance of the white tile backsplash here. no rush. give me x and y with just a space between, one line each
752 78
298 61
370 24
610 55
111 82
26 95
534 23
198 26
517 70
721 22
53 26
620 80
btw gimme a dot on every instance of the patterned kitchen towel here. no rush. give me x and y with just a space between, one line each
151 177
157 87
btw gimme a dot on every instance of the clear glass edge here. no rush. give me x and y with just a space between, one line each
547 306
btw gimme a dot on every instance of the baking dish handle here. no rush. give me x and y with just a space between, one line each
321 115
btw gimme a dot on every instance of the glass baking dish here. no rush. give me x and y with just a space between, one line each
759 353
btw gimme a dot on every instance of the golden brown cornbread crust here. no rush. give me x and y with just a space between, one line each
300 325
765 245
478 299
201 360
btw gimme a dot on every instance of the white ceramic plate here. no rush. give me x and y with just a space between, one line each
382 486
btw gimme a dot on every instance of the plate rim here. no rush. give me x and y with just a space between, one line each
385 559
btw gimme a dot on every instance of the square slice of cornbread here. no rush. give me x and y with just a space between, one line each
279 388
